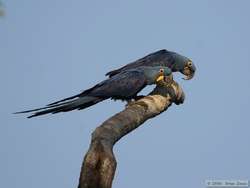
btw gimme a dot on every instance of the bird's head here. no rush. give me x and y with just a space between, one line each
184 65
162 72
156 74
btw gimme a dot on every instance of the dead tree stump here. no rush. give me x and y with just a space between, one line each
99 163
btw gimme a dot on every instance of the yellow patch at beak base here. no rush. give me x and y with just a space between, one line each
160 78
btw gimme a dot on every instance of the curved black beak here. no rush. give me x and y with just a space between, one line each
189 77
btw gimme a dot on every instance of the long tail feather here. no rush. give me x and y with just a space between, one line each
79 103
43 108
66 99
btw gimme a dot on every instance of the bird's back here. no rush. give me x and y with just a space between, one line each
159 58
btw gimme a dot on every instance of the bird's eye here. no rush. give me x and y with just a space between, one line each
189 63
161 70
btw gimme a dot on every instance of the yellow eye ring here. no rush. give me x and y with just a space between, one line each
161 71
189 64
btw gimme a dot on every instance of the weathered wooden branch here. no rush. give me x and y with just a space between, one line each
99 163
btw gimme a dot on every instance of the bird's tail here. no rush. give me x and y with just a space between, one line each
70 103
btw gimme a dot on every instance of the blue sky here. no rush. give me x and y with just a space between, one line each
54 49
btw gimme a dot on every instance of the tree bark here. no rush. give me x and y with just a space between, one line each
99 163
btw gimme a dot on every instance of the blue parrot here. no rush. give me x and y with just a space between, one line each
124 86
172 60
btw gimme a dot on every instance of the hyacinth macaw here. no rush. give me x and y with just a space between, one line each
124 86
172 60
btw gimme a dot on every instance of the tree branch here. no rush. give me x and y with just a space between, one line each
99 163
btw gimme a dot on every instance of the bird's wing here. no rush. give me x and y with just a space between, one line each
118 85
157 58
122 86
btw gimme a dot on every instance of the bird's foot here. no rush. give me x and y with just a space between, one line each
134 100
129 102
